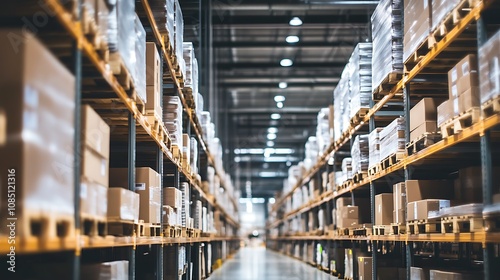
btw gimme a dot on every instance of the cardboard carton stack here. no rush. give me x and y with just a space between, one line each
153 81
441 9
424 196
384 208
392 138
423 117
360 154
417 24
399 214
374 147
346 215
489 64
172 198
172 117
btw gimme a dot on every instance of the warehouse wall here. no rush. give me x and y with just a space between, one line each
252 219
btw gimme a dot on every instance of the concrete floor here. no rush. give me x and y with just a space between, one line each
257 263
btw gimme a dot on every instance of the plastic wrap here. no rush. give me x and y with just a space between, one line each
311 151
140 64
188 54
387 38
461 210
194 155
179 37
359 154
440 9
392 138
199 105
172 118
121 38
489 69
185 213
323 129
106 271
347 168
374 147
360 78
123 204
417 23
340 105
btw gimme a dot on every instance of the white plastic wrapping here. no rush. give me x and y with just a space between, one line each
185 213
340 107
194 155
179 37
374 147
323 129
417 23
387 37
360 78
188 55
347 168
311 151
140 63
489 69
359 154
121 35
440 9
172 118
392 138
461 210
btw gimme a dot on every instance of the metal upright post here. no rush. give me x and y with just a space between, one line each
407 105
374 244
159 251
131 181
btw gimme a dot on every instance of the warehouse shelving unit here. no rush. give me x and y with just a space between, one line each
436 62
118 107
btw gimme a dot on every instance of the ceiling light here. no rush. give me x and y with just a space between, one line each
272 130
279 98
283 85
295 21
275 116
286 62
272 200
292 39
279 105
271 136
270 143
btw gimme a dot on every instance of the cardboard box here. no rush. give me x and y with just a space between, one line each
95 168
343 201
365 268
489 63
470 183
172 197
348 212
123 204
417 23
153 66
444 112
420 209
462 76
93 200
417 273
466 82
468 99
148 187
448 275
399 196
384 206
95 132
428 126
347 223
102 201
429 189
424 111
399 216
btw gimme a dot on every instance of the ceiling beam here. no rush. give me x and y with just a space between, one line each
284 110
260 65
281 44
273 85
298 6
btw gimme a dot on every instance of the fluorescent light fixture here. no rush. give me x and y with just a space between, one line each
258 200
275 116
267 174
272 200
286 62
295 21
237 159
254 200
270 143
271 136
288 163
292 39
282 85
279 105
272 130
249 207
283 151
279 98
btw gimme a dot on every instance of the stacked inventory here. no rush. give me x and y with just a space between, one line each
191 76
179 38
324 129
423 117
164 14
392 138
360 79
347 168
172 201
172 118
341 109
185 207
360 154
417 24
194 155
139 72
387 36
440 10
374 147
311 150
489 69
153 82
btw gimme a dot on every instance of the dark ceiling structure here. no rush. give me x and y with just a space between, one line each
242 44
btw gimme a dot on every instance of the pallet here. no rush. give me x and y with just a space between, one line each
345 185
491 107
359 176
44 230
197 233
188 95
93 34
176 153
94 226
460 122
422 142
387 84
151 230
423 226
398 228
208 234
364 231
360 114
342 232
375 169
382 230
461 224
171 231
392 159
123 228
158 129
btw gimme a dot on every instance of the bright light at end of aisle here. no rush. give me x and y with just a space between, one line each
279 105
270 143
272 130
292 39
283 85
275 116
295 21
286 62
279 98
271 136
272 200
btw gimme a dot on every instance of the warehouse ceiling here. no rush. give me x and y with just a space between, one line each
249 40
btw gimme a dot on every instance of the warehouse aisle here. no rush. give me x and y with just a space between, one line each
261 264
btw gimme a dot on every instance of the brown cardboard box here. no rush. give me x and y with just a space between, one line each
347 223
429 189
399 191
444 112
172 197
467 81
148 187
384 206
418 273
417 23
422 112
348 212
102 201
123 204
95 168
37 108
470 183
88 199
463 75
428 126
448 275
399 216
489 63
186 146
365 268
153 65
421 208
102 18
468 99
331 121
343 201
95 132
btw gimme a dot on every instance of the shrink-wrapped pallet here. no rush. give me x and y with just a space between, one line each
340 108
323 129
392 138
311 151
139 73
347 168
441 9
417 24
359 154
179 37
360 78
121 36
374 147
191 76
489 69
387 38
172 118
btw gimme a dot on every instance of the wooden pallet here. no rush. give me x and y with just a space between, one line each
123 227
176 153
158 129
423 226
360 114
345 185
422 142
387 84
398 228
359 176
342 232
375 169
392 159
93 225
151 230
362 231
44 230
491 107
460 122
460 224
172 231
197 233
382 229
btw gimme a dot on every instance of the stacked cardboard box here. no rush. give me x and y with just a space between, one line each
360 154
345 214
440 9
463 82
95 164
384 208
399 214
423 117
123 205
468 186
392 138
106 271
423 196
365 268
173 197
38 100
417 24
419 210
153 81
489 64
